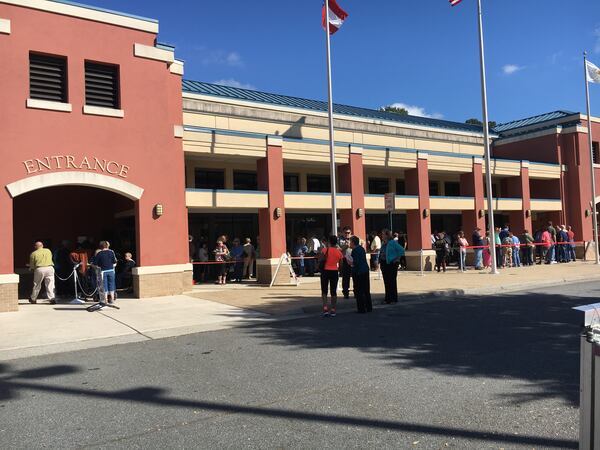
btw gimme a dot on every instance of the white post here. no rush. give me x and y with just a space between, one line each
422 266
592 174
331 140
486 137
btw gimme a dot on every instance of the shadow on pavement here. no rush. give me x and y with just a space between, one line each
14 384
529 337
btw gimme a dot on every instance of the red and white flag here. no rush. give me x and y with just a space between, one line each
454 2
336 16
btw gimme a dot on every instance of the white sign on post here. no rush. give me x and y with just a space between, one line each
390 202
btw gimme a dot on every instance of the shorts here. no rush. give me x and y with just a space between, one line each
108 280
223 269
329 279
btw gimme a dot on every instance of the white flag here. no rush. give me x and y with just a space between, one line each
593 73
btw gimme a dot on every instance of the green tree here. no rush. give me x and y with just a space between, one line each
478 122
395 110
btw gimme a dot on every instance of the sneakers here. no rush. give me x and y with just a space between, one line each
32 301
325 314
332 313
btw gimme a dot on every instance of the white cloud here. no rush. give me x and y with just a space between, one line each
509 69
234 83
220 57
417 111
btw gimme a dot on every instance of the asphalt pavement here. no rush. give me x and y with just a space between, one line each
484 372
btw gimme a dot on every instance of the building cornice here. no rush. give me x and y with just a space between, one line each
242 103
88 13
289 116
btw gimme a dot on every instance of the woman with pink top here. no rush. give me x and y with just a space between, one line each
487 257
462 251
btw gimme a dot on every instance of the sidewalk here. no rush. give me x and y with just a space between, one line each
44 328
305 298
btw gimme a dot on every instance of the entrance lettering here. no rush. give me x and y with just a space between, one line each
70 162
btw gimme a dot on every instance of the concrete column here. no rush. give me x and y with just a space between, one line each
271 220
9 282
351 178
471 185
419 221
521 220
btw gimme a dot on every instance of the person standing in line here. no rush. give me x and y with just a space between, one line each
202 259
360 276
374 249
249 257
516 249
462 251
300 252
40 262
346 269
528 241
441 252
571 246
389 261
402 240
563 238
237 255
551 256
314 246
547 242
487 256
507 251
330 259
221 253
106 261
498 244
477 241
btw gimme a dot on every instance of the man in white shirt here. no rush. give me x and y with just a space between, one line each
374 249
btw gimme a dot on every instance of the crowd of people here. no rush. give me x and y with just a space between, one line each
80 269
228 260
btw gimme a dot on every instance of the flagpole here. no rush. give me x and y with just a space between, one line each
592 174
334 229
486 137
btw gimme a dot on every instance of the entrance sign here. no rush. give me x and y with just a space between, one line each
69 162
390 201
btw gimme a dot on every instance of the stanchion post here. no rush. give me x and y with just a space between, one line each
421 261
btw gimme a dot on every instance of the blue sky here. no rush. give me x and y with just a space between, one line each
421 53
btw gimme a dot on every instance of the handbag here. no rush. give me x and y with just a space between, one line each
322 260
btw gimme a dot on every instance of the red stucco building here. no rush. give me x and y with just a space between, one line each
102 140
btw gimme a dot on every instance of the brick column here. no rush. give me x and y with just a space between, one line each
351 178
521 220
271 220
418 222
9 282
471 185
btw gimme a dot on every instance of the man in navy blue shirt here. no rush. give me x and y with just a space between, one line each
106 260
360 276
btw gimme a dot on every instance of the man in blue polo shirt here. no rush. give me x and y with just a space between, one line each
106 261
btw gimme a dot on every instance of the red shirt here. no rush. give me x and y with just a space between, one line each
547 239
334 256
571 235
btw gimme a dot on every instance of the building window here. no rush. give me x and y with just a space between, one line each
434 188
102 85
379 185
47 78
596 152
452 189
245 181
400 187
291 182
318 183
494 190
209 179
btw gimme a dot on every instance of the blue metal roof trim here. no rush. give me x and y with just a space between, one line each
109 11
535 120
199 87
